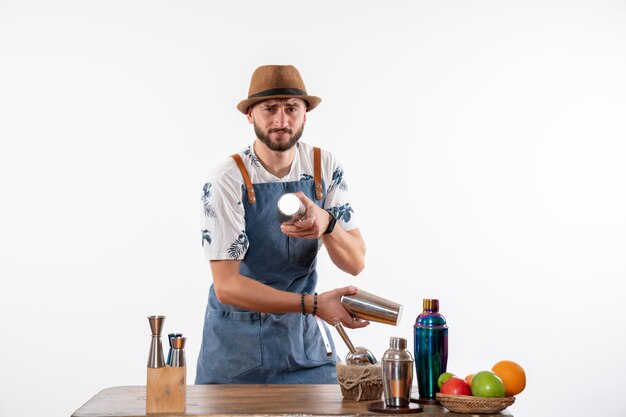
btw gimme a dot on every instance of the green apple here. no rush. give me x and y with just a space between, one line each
488 384
443 378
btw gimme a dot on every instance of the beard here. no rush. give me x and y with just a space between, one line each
277 146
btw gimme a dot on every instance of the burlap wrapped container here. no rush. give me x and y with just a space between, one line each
360 382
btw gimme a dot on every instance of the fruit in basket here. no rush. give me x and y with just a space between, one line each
456 386
443 378
469 378
513 376
488 384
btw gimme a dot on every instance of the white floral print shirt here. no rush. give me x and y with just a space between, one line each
223 222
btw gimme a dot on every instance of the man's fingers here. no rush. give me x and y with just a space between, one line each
349 290
302 197
360 324
304 223
305 228
357 323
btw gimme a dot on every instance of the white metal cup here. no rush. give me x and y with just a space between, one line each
290 208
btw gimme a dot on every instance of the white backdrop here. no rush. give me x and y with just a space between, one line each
483 142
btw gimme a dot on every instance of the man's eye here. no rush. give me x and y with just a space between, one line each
292 109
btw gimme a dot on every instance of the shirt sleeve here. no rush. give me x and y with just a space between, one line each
223 219
337 195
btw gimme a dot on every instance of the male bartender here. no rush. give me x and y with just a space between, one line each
262 319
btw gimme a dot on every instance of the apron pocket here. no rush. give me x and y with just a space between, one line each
314 347
302 251
232 342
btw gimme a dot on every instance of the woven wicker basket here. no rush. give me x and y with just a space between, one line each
467 404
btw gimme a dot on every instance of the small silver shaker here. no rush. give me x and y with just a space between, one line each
290 208
397 366
178 352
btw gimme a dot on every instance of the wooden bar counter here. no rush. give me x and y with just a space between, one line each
245 400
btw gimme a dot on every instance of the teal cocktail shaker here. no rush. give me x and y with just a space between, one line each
431 350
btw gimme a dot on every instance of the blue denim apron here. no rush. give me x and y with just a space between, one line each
240 346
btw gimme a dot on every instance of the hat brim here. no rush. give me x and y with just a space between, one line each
244 105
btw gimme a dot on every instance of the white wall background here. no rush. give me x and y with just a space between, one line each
484 143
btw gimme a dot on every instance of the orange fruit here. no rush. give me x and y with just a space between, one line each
469 378
512 375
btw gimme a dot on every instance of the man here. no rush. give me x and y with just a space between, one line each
260 324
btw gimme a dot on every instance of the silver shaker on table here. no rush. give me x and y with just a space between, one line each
397 366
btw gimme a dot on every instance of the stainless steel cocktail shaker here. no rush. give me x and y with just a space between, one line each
290 208
371 307
397 374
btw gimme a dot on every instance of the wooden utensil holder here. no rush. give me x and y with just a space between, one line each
166 390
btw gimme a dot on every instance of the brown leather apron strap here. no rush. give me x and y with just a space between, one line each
246 178
317 172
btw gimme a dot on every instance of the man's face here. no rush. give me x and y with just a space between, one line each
278 123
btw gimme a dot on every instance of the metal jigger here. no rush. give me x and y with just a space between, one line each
155 357
358 355
169 339
178 352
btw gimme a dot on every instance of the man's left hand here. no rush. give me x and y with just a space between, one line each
312 225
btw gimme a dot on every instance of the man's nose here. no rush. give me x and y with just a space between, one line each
280 120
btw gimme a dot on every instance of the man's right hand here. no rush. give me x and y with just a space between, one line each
330 309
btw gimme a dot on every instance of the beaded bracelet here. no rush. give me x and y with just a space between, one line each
314 303
302 302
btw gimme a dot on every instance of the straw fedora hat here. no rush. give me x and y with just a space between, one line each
276 81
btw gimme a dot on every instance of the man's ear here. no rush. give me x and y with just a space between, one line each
249 115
